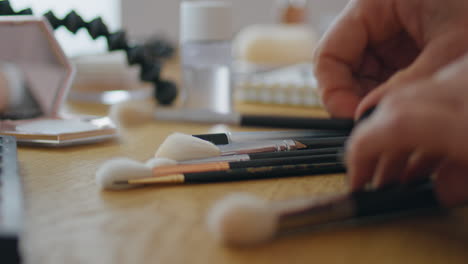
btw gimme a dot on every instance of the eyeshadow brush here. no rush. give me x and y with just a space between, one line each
203 116
241 174
124 173
126 113
267 155
236 137
223 166
242 219
281 145
181 147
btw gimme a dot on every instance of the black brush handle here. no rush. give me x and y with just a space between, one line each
327 158
396 199
295 153
322 142
343 124
264 172
216 138
223 139
296 122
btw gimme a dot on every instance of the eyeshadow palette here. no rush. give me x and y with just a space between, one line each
10 201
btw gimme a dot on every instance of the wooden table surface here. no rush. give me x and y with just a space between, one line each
69 220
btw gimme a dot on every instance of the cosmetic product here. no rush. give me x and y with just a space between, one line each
205 44
267 155
222 166
30 46
289 85
261 47
240 174
180 147
242 219
237 137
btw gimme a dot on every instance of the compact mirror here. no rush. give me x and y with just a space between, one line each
36 76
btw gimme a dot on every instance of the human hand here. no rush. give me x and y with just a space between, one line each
376 46
415 132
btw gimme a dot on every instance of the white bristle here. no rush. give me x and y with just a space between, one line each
120 169
242 219
180 147
157 162
131 113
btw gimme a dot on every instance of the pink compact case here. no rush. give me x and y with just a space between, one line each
28 43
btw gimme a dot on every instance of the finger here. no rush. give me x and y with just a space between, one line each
390 168
342 49
451 184
420 165
434 57
399 126
361 158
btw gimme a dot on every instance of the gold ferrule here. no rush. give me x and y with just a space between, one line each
190 168
176 178
300 145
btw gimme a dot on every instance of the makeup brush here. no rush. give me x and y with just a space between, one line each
254 173
120 173
267 155
181 147
119 169
237 137
222 166
125 114
242 219
335 151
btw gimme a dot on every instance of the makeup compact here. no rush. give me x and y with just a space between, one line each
37 75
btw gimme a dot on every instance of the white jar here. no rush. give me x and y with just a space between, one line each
205 44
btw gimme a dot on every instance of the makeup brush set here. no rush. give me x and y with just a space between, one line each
185 158
238 156
242 219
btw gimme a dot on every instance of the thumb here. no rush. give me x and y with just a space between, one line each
436 54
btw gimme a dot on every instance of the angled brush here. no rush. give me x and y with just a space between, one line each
182 147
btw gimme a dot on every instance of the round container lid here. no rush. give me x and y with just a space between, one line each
205 21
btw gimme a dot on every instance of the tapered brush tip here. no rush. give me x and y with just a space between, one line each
113 173
180 147
129 113
242 219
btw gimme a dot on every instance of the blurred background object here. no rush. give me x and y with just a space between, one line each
81 43
109 88
106 78
292 11
206 55
137 15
